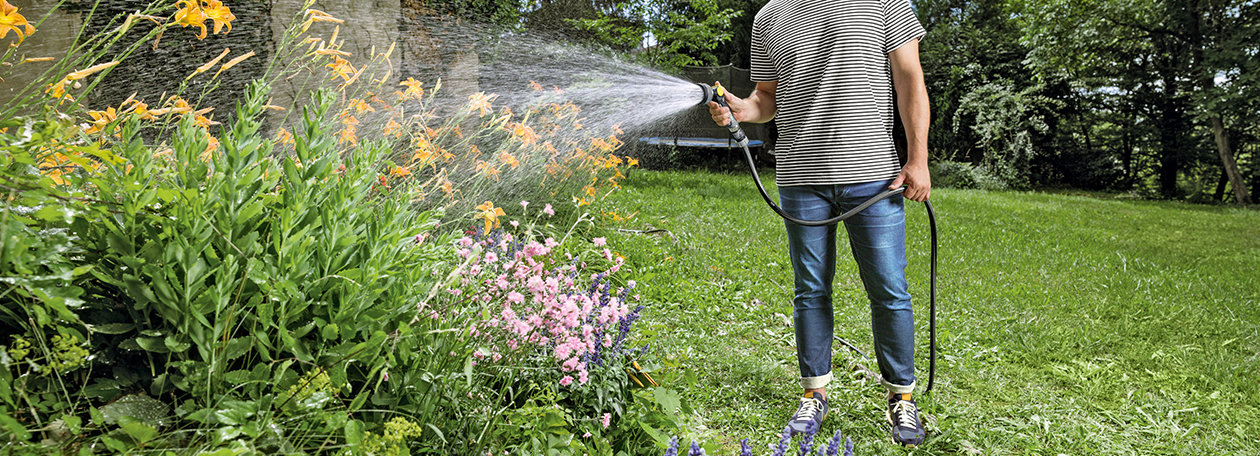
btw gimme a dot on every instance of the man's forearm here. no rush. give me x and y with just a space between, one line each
915 116
761 107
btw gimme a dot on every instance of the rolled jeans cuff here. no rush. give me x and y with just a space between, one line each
898 389
820 381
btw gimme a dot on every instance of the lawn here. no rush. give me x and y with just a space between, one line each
1068 324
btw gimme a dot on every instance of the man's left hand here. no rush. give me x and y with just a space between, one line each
917 180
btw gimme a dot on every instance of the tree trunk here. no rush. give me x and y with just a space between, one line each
1241 195
1219 194
1208 82
1172 131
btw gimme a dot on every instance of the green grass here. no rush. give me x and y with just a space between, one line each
1068 324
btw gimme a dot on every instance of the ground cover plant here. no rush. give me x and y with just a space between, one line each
173 284
1069 324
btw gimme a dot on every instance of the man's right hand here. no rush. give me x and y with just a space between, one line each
738 108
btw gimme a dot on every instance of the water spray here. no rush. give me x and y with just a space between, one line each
718 95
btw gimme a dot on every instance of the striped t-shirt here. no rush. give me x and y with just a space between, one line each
834 96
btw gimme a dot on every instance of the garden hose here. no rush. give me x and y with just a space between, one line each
717 94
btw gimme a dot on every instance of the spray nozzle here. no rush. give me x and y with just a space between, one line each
718 94
710 93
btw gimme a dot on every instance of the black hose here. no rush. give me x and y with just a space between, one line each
752 166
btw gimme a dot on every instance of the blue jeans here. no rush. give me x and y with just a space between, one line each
877 237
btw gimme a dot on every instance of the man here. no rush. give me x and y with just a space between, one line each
826 70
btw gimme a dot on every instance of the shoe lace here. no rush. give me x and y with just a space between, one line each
809 408
906 413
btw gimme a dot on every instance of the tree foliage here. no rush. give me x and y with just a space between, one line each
664 33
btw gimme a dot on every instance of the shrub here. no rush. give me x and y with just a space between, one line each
271 293
953 174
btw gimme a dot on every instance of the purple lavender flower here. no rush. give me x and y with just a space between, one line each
807 442
848 447
673 447
784 440
833 448
623 328
744 449
695 449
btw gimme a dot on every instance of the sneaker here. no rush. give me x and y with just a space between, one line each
810 415
903 415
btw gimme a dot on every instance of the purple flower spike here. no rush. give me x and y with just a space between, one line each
744 449
848 447
695 449
784 439
833 448
673 447
807 442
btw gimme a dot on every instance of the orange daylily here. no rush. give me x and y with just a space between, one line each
58 89
211 63
415 89
195 13
480 102
393 128
509 160
399 171
341 68
220 14
314 15
101 119
490 214
284 137
360 106
10 19
233 62
524 133
190 14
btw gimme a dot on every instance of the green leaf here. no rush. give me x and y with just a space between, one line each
235 348
330 331
668 399
153 344
175 345
115 444
468 371
14 427
112 328
138 430
353 432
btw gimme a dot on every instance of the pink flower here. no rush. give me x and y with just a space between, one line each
490 258
524 204
548 210
582 377
566 380
515 297
385 375
599 241
607 419
514 223
587 435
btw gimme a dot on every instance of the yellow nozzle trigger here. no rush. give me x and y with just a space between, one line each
721 92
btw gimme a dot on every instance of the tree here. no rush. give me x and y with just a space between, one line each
663 33
1175 48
